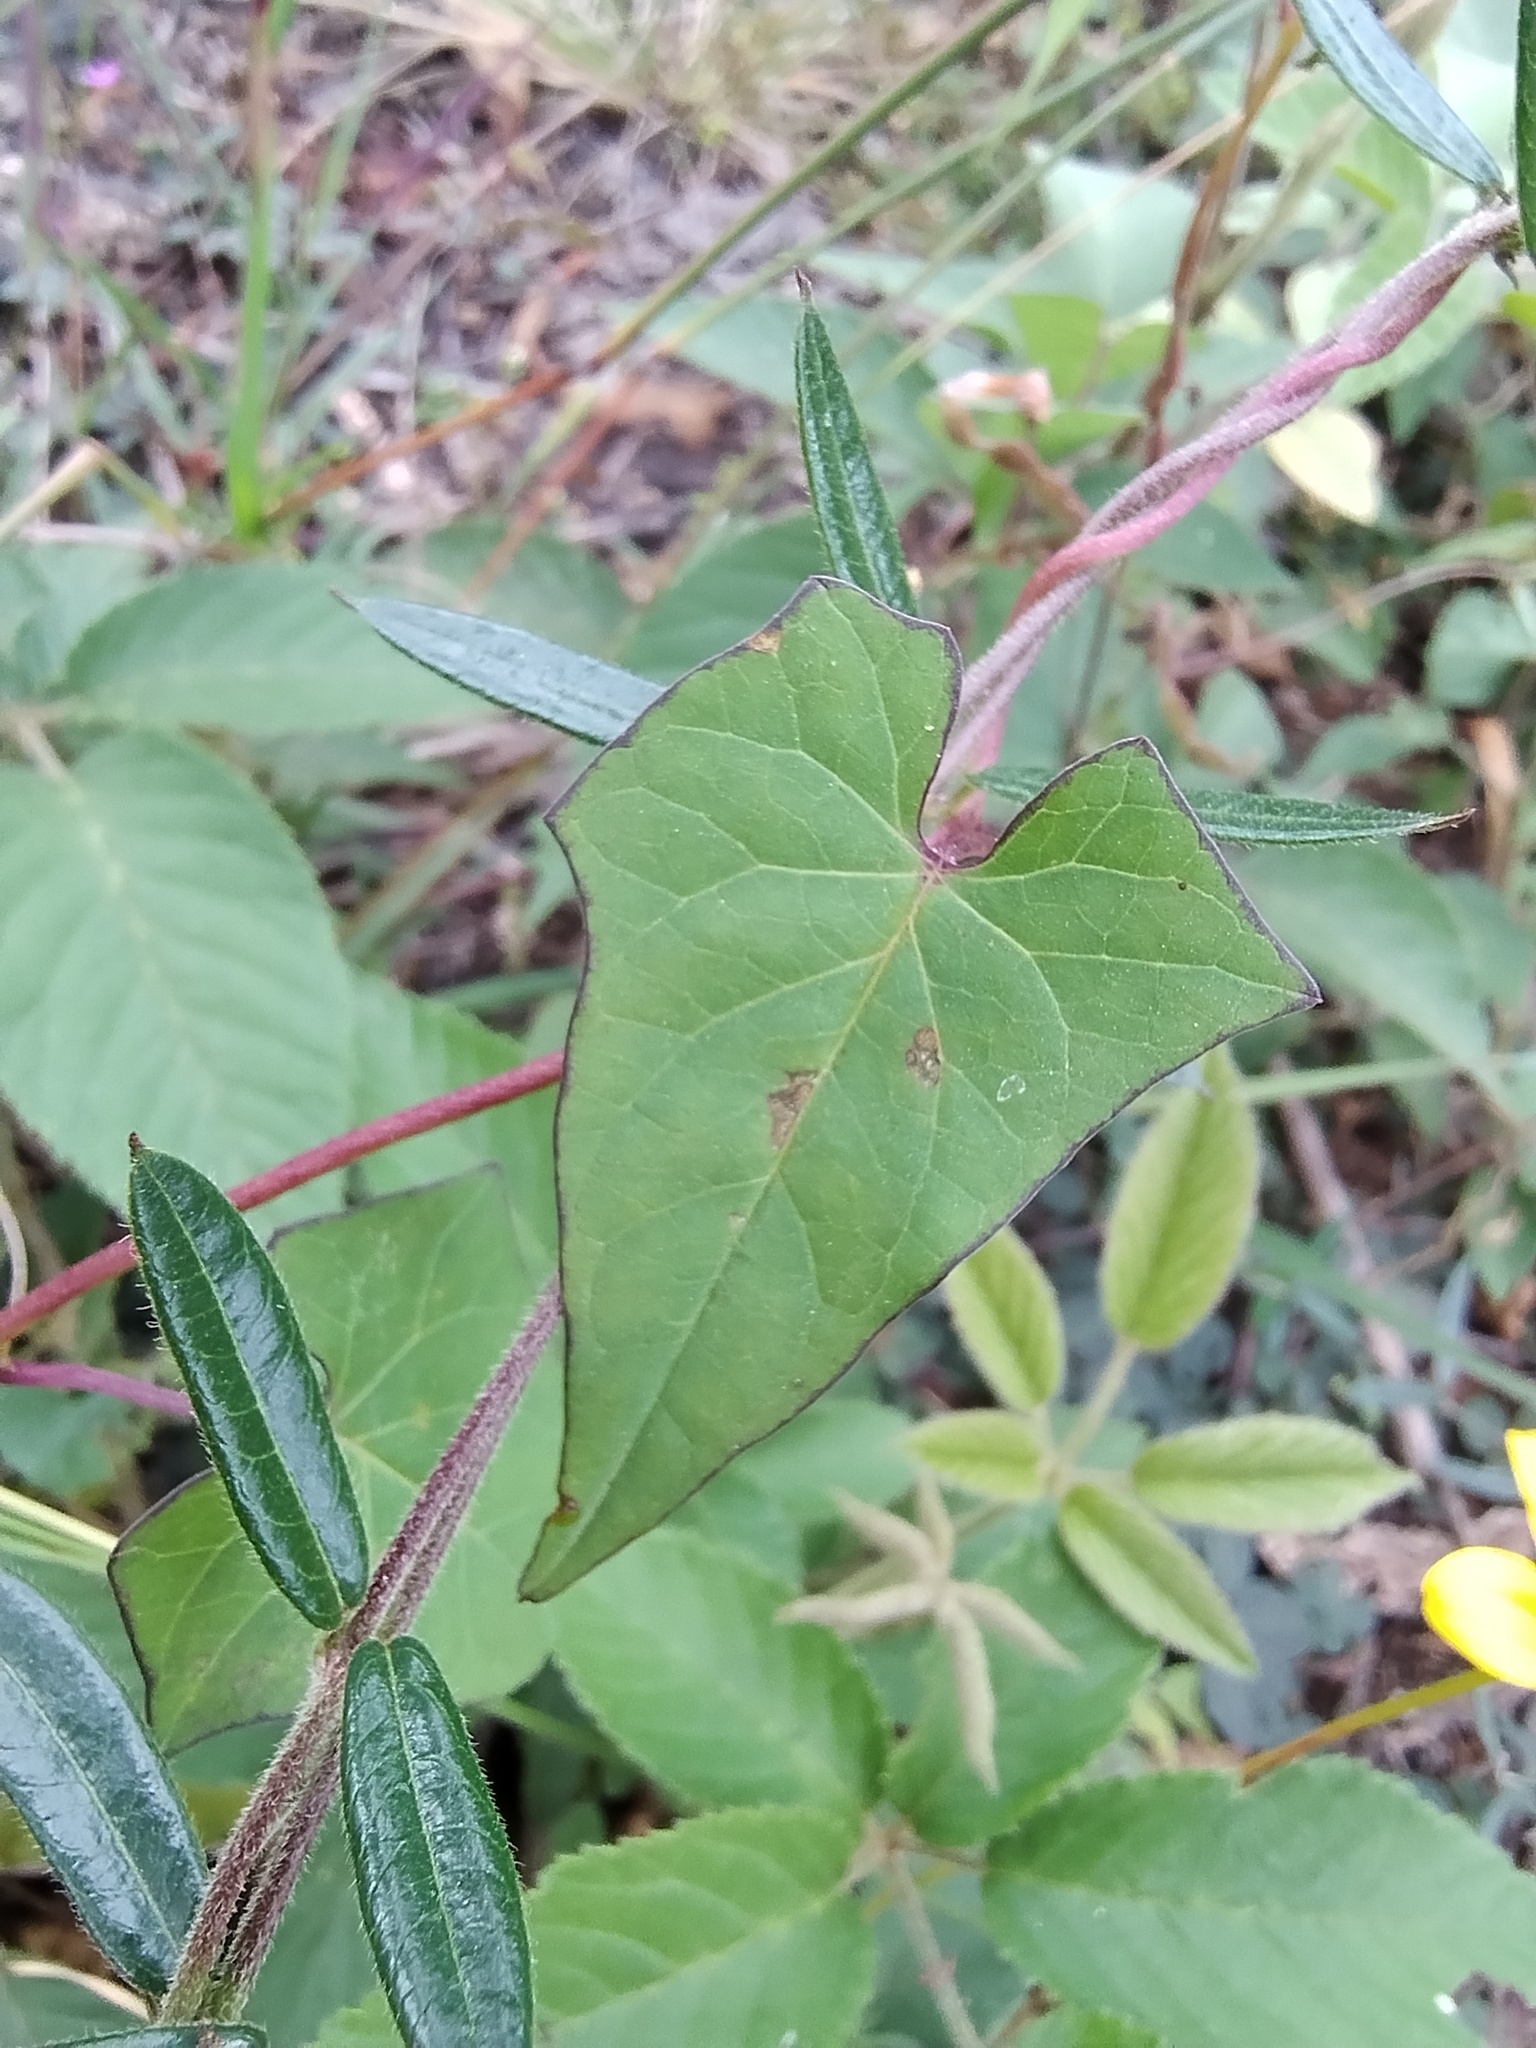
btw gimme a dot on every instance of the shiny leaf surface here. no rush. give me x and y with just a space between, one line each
230 1326
92 1788
435 1875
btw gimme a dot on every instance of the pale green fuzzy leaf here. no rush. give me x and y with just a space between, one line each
1382 76
1257 1472
1009 1320
886 1055
1051 1721
985 1450
730 1929
257 647
1182 1213
1330 1906
675 1649
407 1303
1150 1577
167 965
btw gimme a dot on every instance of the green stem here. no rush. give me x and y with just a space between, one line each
955 51
242 459
1095 1414
934 1967
1392 1709
1288 1087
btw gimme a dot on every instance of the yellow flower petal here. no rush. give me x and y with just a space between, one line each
1521 1446
1483 1602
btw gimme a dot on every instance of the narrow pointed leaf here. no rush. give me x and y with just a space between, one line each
575 693
1382 76
1251 817
435 1876
90 1785
885 1055
1258 1472
862 544
1149 1576
1183 1211
230 1326
1525 121
983 1449
1009 1320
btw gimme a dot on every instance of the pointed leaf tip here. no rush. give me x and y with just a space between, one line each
857 528
226 1316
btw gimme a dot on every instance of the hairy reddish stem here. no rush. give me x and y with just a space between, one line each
94 1379
320 1160
1172 486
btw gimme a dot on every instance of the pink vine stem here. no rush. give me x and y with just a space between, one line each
1164 492
115 1259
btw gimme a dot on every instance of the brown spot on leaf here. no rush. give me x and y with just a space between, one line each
786 1103
766 642
925 1057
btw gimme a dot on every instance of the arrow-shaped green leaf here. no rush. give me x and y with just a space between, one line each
91 1786
227 1318
813 1066
435 1875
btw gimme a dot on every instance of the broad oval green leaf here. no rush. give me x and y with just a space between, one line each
575 693
886 1054
169 966
226 1316
1329 1906
1382 76
676 1649
859 533
1052 1720
435 1875
1149 1576
985 1450
1258 1472
254 647
410 1301
90 1785
1183 1211
1009 1320
735 1930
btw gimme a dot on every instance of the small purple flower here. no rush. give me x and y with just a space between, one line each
100 74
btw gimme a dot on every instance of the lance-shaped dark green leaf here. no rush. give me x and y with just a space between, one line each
1382 76
435 1875
1251 817
590 699
812 1066
91 1786
860 535
232 1329
197 2035
1525 121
